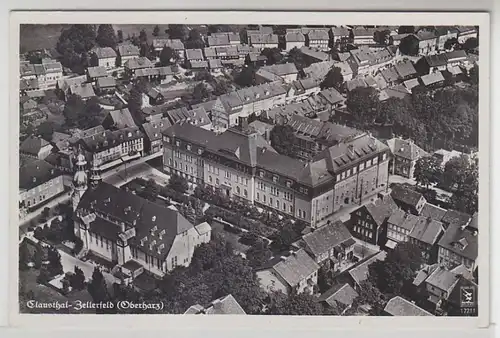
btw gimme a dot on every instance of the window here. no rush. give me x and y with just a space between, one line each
375 160
367 164
177 143
217 181
384 156
338 177
188 147
275 178
348 172
277 204
290 208
298 213
361 166
264 198
228 174
209 178
288 184
270 200
343 175
284 206
238 191
200 151
245 193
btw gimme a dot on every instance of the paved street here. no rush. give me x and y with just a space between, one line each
68 262
402 180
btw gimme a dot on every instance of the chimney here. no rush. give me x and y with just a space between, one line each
122 226
243 123
282 258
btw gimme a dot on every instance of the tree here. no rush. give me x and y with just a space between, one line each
167 56
177 31
195 40
97 287
406 29
218 29
465 198
382 37
156 31
295 304
221 87
296 56
135 100
178 183
474 75
119 35
470 43
143 37
333 79
74 41
368 294
259 253
451 43
283 139
145 50
427 171
24 255
106 36
54 266
244 77
363 102
46 129
72 109
409 45
90 116
456 171
200 93
273 55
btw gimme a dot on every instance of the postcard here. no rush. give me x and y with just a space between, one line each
294 168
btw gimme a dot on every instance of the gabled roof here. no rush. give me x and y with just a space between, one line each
97 72
107 81
425 35
156 226
405 195
294 37
194 54
464 243
226 305
128 50
65 84
427 230
153 130
104 52
399 306
84 90
340 31
35 172
318 34
456 217
197 116
436 60
32 145
360 272
456 55
314 53
398 91
281 69
121 118
263 38
26 84
406 149
294 268
318 70
341 293
327 237
405 68
433 211
138 63
443 279
381 209
175 44
410 84
355 83
214 63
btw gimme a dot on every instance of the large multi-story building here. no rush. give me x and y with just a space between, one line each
241 163
129 231
252 100
47 73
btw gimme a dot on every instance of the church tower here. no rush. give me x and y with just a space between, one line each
80 179
95 174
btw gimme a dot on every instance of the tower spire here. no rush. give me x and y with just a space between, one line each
95 173
79 179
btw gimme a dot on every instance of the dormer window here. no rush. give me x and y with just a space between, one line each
200 151
275 178
177 143
166 139
288 184
261 173
188 147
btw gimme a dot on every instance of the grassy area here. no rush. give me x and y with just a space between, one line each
136 29
34 37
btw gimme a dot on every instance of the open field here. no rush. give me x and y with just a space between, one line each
34 37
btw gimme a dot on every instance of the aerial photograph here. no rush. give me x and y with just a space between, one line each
248 169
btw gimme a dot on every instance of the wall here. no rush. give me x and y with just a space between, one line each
216 174
42 192
267 193
322 206
302 206
292 45
451 259
108 62
271 282
101 246
183 248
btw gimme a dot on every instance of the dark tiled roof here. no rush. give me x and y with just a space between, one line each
108 139
456 217
436 60
432 211
107 81
442 279
103 53
462 242
97 72
84 90
425 35
295 37
360 272
32 145
121 118
175 44
318 34
327 237
456 54
406 149
390 74
25 84
128 50
433 78
226 305
153 130
405 195
194 54
137 63
405 68
35 172
341 293
156 226
381 209
427 230
197 116
399 306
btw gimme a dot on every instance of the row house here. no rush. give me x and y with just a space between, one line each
105 57
369 222
223 39
93 73
286 73
158 74
262 41
399 226
128 52
132 233
175 44
318 38
459 246
365 61
363 36
39 182
133 65
112 148
405 154
242 165
427 42
294 39
47 74
426 234
340 34
153 142
465 33
407 199
445 33
244 102
296 273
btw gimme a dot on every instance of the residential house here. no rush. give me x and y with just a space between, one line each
365 61
405 70
412 83
432 80
159 74
360 272
193 55
111 148
39 182
246 101
439 285
433 212
119 119
364 36
455 58
398 306
261 128
175 44
106 85
28 85
318 39
223 39
339 297
47 73
369 222
133 65
445 33
128 52
294 39
63 85
405 156
286 73
295 273
340 34
225 305
35 147
355 83
331 245
312 55
459 245
215 66
466 32
317 71
397 91
427 42
208 106
345 70
408 200
430 64
153 142
399 225
93 73
264 40
125 229
84 90
456 218
256 60
395 40
196 116
243 165
302 89
105 57
390 76
426 235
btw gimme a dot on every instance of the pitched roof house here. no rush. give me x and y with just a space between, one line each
340 296
119 119
405 153
407 199
399 306
225 305
35 147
